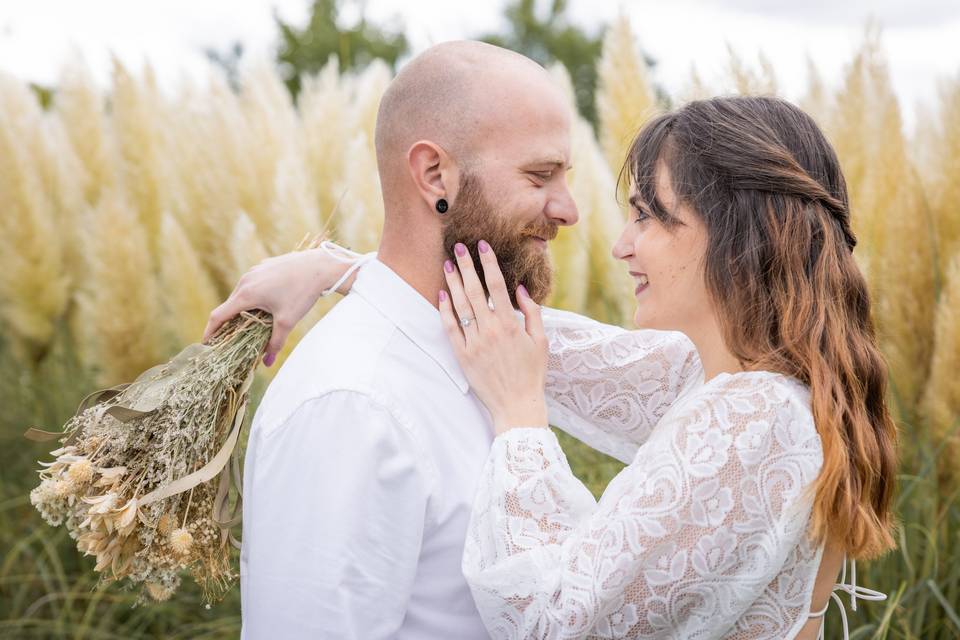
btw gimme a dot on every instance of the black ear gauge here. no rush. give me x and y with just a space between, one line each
442 206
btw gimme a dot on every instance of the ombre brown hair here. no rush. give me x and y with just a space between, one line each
789 297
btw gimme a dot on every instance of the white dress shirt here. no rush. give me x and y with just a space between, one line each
360 471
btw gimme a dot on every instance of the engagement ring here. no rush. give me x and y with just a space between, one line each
465 321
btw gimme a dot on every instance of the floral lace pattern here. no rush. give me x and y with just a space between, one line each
608 386
702 535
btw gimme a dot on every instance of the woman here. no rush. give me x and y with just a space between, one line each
761 451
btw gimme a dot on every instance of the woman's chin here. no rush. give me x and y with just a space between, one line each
641 320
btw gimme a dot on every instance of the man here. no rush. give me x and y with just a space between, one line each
365 451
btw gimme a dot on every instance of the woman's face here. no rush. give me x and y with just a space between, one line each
666 263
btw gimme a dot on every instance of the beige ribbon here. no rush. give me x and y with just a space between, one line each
141 397
39 435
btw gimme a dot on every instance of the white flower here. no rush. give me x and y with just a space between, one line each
45 493
101 504
110 476
127 518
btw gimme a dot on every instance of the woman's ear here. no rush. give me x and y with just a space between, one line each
433 172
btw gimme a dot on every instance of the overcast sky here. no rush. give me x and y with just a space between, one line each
922 37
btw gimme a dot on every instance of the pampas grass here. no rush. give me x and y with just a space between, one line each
749 81
943 391
625 99
890 217
942 173
120 301
189 291
34 285
583 250
79 105
140 118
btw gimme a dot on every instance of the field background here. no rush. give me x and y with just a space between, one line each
129 213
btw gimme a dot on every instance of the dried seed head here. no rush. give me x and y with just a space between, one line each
165 524
181 540
64 487
81 471
159 592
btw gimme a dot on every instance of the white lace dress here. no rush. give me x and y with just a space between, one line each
702 535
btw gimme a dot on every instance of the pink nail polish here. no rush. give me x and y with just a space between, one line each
460 249
523 291
483 246
268 360
448 266
443 295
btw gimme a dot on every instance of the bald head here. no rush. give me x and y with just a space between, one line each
452 94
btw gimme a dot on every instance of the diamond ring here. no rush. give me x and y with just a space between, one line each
465 321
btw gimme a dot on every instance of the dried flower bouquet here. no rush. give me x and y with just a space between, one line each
133 482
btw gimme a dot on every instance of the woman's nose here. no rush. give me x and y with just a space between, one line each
623 247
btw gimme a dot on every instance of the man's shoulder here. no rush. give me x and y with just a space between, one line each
340 352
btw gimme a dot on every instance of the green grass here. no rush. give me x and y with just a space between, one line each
47 590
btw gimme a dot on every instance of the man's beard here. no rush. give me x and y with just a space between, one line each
471 218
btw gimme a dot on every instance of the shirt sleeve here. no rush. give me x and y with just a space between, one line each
608 386
335 507
683 541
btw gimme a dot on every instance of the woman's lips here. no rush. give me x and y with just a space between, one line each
642 282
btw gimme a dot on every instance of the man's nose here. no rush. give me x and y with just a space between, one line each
561 209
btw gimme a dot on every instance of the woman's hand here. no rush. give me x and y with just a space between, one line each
505 362
287 286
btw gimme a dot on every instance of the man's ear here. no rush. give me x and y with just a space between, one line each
433 171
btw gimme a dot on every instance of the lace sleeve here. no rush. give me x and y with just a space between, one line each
608 386
695 532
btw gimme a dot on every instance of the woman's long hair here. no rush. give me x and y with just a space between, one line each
789 297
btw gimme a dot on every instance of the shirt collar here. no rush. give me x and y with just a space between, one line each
411 313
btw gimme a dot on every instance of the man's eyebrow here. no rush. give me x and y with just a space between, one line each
549 161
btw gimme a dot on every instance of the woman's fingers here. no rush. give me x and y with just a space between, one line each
494 279
471 284
279 332
278 337
451 324
229 308
533 320
461 305
213 323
